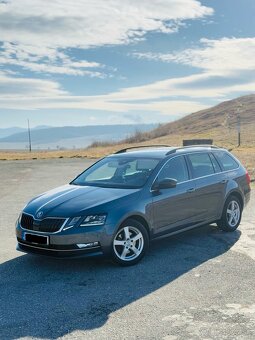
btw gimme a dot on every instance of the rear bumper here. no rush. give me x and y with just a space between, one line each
247 197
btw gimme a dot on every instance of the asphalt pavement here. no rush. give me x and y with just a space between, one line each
197 285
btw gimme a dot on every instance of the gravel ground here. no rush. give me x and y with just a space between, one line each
198 285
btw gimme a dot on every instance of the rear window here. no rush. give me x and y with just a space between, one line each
227 162
201 164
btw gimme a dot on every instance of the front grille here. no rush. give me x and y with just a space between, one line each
48 225
27 221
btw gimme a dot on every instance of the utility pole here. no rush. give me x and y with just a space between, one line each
29 137
228 123
239 124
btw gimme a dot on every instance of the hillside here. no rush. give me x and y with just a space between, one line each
215 121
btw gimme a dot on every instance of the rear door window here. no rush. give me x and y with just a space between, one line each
227 162
201 164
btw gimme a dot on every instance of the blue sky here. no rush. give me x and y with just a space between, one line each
121 61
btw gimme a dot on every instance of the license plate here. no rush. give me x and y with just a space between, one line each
36 239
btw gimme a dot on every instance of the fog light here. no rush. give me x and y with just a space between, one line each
88 245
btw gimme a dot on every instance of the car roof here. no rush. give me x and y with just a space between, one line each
162 152
145 152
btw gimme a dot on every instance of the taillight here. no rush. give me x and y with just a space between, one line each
248 178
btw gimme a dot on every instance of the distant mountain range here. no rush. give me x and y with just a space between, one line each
5 132
218 121
44 137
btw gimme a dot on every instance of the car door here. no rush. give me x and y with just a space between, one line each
209 183
173 207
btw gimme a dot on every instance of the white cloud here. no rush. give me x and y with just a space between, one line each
67 68
169 108
227 68
222 57
19 89
27 94
224 64
194 86
160 97
35 30
86 23
49 61
37 36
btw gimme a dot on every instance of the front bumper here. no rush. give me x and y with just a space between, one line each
58 253
67 244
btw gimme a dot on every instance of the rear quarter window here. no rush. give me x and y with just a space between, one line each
215 163
227 162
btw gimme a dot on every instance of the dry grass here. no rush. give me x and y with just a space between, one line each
217 123
246 153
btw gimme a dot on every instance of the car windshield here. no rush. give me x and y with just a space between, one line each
118 172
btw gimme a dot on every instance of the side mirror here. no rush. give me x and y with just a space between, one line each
166 183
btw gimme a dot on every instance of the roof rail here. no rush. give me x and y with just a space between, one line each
192 146
140 147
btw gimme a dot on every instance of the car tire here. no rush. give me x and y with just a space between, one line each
231 215
130 243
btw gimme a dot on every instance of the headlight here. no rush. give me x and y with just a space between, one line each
71 223
19 219
92 220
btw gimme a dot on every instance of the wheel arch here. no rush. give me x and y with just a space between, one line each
139 218
238 195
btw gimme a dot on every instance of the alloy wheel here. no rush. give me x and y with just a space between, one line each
128 243
233 213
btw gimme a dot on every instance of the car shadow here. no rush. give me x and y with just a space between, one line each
49 298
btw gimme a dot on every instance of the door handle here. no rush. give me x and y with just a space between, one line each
191 190
224 181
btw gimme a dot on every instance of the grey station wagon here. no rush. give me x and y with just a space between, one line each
124 200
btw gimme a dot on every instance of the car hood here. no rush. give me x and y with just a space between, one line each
73 200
